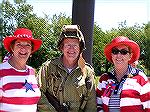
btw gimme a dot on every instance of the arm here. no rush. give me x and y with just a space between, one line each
100 90
91 103
145 92
98 97
43 104
90 85
1 90
48 99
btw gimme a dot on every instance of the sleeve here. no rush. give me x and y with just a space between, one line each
98 97
43 104
99 91
145 92
1 90
41 77
91 103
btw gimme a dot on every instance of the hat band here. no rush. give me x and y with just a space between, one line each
24 36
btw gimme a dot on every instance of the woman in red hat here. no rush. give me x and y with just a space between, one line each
124 89
19 90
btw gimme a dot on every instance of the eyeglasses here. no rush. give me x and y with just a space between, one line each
122 51
19 45
75 46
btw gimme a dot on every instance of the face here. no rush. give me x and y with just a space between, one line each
22 49
121 55
71 49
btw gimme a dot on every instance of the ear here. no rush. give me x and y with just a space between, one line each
12 48
61 48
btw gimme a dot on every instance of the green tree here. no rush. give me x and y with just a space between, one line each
146 52
100 39
139 34
20 14
50 34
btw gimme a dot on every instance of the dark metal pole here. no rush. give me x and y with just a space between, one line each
83 15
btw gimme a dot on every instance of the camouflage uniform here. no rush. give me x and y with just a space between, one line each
67 87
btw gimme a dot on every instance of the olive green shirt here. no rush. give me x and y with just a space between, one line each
53 77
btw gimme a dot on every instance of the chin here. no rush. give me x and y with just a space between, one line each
71 58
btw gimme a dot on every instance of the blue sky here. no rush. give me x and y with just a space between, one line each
108 13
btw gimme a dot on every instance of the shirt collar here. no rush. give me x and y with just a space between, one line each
130 70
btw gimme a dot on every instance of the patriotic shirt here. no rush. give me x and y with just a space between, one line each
134 95
19 91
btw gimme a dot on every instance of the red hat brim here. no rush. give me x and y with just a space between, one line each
7 41
133 45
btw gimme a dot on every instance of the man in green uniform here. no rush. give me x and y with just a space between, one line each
67 82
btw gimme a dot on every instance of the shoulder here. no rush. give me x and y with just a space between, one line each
29 67
46 63
5 65
141 78
138 73
51 61
87 64
104 77
142 74
89 67
1 65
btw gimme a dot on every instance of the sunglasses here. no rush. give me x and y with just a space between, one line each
117 51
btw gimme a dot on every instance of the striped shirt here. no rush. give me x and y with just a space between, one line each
19 91
134 95
114 103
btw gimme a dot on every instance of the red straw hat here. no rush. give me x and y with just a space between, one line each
135 49
23 34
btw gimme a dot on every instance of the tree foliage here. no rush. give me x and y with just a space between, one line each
146 51
20 14
139 34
